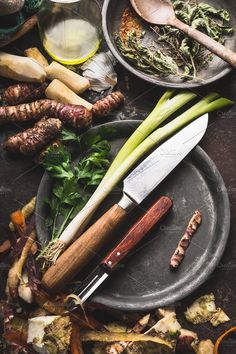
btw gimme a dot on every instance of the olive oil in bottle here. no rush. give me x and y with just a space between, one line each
70 30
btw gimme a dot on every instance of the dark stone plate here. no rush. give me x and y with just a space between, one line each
144 280
217 68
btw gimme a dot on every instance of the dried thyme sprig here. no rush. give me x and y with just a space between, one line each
144 58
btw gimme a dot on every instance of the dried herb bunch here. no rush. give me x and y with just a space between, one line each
172 52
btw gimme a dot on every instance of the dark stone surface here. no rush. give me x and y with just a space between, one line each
19 179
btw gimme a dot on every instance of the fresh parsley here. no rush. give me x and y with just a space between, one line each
73 182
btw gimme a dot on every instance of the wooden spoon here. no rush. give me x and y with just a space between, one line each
161 12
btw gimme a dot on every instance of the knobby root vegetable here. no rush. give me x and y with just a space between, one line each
21 68
61 93
75 82
184 243
71 115
106 105
18 220
32 140
23 93
26 211
26 250
95 336
37 55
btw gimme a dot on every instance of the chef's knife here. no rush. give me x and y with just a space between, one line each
134 235
137 186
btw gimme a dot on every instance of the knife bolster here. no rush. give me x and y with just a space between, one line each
126 203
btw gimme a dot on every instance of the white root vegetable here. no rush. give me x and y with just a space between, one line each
61 93
20 68
75 82
36 55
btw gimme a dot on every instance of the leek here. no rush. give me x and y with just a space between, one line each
163 110
135 151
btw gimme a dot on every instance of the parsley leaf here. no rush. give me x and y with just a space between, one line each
73 183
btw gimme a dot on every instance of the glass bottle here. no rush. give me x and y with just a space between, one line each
70 30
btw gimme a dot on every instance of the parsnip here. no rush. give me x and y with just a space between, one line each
36 55
61 93
21 68
75 82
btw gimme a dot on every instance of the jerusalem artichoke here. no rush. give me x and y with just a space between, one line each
23 93
72 115
107 104
34 139
184 243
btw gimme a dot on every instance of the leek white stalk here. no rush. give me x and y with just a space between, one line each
208 104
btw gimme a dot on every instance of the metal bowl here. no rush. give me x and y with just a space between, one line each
217 68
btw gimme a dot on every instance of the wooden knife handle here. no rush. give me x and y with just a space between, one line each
137 232
83 250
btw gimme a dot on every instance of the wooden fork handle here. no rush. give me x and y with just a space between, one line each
83 250
220 50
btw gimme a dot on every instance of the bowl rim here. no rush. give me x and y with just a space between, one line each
143 76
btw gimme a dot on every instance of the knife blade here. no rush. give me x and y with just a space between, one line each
137 186
133 236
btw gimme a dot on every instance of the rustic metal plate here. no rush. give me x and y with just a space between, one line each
217 68
144 280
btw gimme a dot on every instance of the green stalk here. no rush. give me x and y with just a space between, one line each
163 110
208 104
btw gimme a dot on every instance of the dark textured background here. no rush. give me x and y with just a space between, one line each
19 179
